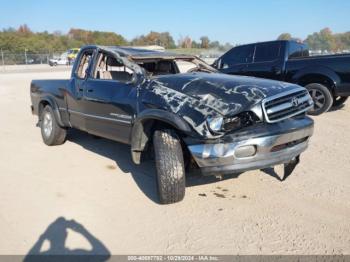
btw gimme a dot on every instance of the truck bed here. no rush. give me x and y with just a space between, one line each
51 89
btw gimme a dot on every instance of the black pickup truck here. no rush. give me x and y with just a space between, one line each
199 118
326 77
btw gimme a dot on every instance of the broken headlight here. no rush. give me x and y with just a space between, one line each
226 124
215 123
239 121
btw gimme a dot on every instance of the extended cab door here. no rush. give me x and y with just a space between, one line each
75 91
268 61
110 99
236 61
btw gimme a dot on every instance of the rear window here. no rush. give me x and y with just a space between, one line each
267 52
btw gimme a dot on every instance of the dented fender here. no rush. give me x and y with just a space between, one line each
141 130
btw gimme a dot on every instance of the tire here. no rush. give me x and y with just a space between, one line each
321 97
52 134
55 64
339 100
169 165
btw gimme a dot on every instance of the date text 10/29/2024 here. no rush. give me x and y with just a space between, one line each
173 258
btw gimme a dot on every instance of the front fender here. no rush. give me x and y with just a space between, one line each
140 132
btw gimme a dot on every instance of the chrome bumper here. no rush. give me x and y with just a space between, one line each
269 151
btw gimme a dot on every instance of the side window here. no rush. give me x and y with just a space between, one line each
111 68
267 52
84 64
238 55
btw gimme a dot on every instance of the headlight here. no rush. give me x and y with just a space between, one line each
231 123
220 124
215 123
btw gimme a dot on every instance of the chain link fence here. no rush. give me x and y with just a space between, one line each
28 58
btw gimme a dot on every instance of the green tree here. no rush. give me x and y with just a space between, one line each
205 42
288 36
325 40
284 36
214 44
155 38
196 44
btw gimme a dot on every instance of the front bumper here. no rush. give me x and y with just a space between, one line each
262 147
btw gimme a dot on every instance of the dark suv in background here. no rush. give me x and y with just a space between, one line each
326 77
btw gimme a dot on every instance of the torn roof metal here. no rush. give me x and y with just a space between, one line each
139 53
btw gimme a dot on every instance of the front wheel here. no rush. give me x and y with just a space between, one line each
170 166
321 97
51 132
339 100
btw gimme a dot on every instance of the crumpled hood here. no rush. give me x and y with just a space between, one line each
225 94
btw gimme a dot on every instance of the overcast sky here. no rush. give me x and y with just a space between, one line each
232 21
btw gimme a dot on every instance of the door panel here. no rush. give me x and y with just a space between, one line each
74 101
236 69
236 61
109 107
270 70
267 62
75 92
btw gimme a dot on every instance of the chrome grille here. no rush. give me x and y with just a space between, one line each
287 104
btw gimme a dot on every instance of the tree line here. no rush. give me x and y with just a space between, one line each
324 40
23 38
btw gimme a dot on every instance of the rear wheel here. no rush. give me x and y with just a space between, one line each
51 132
321 97
170 166
339 100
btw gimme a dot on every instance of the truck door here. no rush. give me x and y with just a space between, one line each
110 99
75 91
236 61
268 61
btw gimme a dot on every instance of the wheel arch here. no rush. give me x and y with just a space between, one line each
49 101
320 75
147 122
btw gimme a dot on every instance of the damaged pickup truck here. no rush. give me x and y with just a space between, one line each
178 107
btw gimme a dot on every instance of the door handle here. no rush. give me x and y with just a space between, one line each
90 90
80 89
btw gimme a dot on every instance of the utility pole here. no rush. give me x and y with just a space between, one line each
25 55
2 59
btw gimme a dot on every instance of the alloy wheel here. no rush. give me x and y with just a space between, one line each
318 98
47 124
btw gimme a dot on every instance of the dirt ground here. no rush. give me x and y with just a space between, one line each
87 195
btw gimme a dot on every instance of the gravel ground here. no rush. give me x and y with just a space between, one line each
107 204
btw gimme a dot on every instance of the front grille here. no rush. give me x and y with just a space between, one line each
287 104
